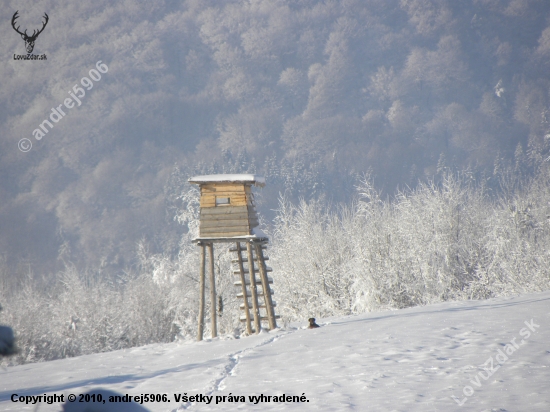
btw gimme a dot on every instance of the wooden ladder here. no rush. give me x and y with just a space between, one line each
247 268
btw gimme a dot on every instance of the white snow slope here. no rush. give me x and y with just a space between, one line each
407 360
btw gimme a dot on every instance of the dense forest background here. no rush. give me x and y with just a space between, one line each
310 94
317 96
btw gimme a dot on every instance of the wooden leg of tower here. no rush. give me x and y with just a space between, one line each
265 286
253 290
243 288
201 293
212 291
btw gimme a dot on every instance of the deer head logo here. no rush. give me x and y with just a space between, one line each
29 40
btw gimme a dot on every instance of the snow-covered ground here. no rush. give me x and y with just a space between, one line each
408 360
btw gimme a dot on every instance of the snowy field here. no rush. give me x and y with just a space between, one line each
408 360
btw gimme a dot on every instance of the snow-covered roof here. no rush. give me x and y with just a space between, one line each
244 178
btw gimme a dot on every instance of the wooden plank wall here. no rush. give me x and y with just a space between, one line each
252 215
235 192
233 219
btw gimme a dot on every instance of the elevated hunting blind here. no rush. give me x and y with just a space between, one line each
228 214
227 205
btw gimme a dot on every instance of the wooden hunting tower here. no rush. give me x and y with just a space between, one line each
228 214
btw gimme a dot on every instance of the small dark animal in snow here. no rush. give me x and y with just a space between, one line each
312 324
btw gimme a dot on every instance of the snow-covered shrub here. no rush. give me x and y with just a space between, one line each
448 240
311 255
430 244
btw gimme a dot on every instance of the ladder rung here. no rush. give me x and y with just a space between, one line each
246 259
256 270
261 306
258 281
249 294
243 318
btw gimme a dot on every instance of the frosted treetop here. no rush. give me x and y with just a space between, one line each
229 178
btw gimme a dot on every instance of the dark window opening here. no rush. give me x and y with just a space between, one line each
222 201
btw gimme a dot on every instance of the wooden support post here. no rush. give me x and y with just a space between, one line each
243 288
201 292
265 286
212 291
255 309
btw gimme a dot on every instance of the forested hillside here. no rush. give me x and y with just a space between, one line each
409 139
310 94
